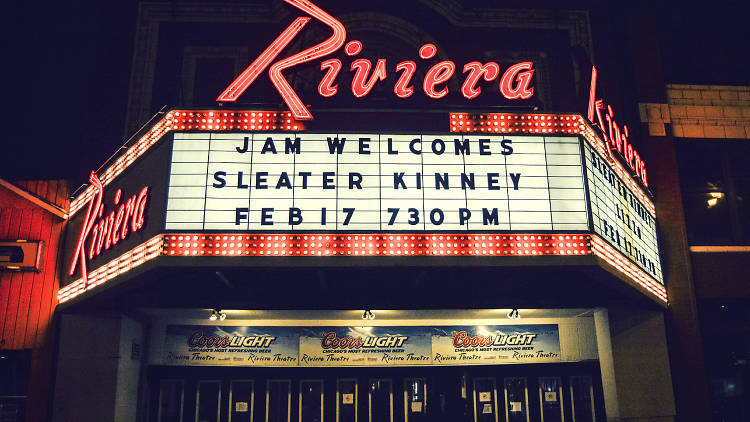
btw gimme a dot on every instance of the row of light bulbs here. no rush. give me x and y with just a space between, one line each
217 314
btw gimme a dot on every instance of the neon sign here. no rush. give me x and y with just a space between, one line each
514 83
615 138
108 230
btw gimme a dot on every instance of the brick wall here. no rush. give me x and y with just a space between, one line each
701 111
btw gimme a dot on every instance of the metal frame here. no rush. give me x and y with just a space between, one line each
182 397
338 397
198 396
591 395
474 396
288 398
369 396
525 394
322 394
406 396
559 394
252 398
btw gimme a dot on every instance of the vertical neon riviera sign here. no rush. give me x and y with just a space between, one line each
615 138
127 216
515 82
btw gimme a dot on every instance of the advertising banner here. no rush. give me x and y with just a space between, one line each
495 344
199 345
364 346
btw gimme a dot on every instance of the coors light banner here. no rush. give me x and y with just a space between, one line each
495 344
201 345
192 345
364 346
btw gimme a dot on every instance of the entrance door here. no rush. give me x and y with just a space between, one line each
484 395
380 398
278 401
415 399
347 400
516 400
582 393
499 393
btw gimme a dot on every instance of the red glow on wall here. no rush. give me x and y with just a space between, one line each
28 299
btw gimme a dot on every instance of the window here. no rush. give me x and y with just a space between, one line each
715 183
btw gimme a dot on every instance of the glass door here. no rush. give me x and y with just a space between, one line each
582 393
415 399
278 400
208 401
241 400
347 393
171 399
380 398
516 400
550 399
485 400
311 401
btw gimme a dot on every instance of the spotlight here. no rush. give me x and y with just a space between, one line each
514 314
368 314
217 314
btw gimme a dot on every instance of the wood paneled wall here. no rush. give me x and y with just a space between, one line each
27 298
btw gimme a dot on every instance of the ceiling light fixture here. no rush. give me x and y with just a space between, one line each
216 314
514 314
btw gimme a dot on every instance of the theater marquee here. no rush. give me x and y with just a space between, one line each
353 182
238 186
370 182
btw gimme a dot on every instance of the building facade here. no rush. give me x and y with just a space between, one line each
431 211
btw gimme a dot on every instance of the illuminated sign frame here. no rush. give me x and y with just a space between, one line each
362 244
311 181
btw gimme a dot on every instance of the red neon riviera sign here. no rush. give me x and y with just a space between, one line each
104 231
615 138
514 83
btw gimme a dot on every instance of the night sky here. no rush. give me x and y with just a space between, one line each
68 64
